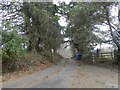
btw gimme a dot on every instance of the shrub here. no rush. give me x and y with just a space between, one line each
12 49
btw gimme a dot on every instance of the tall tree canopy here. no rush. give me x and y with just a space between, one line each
35 20
84 18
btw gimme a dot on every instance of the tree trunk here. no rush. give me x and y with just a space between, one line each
118 54
30 47
113 37
37 47
119 33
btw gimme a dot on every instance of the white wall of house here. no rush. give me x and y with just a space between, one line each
107 49
65 50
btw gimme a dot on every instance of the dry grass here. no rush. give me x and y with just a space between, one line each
29 64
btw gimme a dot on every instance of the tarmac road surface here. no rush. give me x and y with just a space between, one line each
68 74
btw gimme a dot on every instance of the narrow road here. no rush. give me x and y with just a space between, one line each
68 74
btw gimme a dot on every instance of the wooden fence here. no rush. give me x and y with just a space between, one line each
109 55
103 56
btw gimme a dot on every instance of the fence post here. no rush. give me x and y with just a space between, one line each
93 57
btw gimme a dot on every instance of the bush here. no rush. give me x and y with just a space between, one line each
12 49
12 44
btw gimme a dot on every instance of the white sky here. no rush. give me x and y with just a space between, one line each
56 1
62 21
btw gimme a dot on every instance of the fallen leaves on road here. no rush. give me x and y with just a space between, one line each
89 76
22 73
